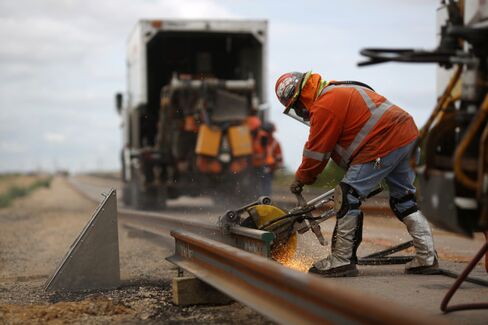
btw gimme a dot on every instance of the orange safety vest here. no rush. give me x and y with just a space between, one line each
352 125
274 156
269 155
258 151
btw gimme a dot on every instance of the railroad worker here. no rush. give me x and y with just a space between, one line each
273 157
371 139
258 152
253 123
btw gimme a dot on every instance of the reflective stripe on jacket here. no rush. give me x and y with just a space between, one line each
352 125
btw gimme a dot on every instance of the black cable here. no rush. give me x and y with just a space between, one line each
352 82
291 215
381 55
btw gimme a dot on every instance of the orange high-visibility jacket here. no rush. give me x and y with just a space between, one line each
274 156
258 149
266 151
352 125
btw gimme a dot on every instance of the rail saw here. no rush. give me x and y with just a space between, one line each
285 224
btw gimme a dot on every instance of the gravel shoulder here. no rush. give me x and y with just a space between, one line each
35 233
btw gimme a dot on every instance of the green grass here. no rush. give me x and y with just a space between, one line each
328 179
7 176
15 192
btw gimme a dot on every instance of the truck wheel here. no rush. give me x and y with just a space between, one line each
135 196
154 198
162 197
151 198
126 195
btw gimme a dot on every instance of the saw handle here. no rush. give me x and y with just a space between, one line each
301 200
312 224
315 227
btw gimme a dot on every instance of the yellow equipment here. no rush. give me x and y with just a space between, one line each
240 140
285 225
208 142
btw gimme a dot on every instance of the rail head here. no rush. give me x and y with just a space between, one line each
251 240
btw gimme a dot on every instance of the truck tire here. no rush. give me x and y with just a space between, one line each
126 195
150 198
154 198
135 195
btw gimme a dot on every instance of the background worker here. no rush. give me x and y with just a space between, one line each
273 157
369 137
266 157
258 153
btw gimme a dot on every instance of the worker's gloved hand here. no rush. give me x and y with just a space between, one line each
296 187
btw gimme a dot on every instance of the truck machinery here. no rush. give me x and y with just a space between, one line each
192 84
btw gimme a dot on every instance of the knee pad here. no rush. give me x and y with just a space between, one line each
395 202
342 204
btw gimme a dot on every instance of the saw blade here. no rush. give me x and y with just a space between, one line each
284 250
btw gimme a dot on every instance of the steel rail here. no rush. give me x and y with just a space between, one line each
282 294
251 240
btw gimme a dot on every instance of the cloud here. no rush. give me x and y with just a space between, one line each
12 147
61 61
54 138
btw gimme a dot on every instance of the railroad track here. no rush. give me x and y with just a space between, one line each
238 266
156 226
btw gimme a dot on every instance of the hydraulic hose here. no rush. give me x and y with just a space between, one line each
438 108
463 146
444 304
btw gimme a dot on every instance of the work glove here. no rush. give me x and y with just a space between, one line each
296 187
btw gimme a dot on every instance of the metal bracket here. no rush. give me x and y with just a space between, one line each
92 261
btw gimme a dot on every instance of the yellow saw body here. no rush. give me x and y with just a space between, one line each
285 225
285 244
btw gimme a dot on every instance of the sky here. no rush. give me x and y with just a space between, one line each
62 61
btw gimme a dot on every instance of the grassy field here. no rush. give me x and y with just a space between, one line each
14 186
328 179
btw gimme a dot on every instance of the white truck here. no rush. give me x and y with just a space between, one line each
191 86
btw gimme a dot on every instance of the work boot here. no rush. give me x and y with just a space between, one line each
348 270
425 260
342 260
425 270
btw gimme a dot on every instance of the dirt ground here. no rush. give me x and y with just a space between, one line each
36 232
